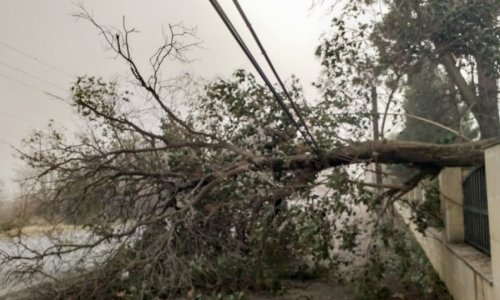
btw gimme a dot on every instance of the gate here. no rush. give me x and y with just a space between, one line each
476 227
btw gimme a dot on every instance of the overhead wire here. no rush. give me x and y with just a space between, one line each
275 73
256 65
34 88
12 48
31 75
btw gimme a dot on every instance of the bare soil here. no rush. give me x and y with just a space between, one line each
310 291
321 290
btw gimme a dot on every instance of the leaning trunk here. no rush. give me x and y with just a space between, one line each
483 105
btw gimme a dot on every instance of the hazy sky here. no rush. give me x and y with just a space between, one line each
38 33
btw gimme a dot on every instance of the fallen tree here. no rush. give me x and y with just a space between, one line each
221 197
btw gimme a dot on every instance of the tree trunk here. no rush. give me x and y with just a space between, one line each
486 112
379 181
484 106
389 152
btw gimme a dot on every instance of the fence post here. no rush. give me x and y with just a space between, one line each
492 162
450 185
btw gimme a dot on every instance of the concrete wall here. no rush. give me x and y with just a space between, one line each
492 162
468 273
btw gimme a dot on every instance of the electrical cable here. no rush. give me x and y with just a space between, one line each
273 69
31 75
33 87
35 59
252 59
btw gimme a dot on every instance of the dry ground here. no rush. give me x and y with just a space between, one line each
311 291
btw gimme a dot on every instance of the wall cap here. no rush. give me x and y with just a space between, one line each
490 144
479 262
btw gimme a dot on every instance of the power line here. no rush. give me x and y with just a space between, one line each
31 75
35 59
33 87
273 69
256 65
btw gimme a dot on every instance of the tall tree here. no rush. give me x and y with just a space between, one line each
463 35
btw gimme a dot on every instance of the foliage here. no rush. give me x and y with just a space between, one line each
398 264
416 30
349 72
427 213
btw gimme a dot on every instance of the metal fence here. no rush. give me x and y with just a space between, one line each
477 232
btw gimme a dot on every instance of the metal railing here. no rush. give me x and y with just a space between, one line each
476 227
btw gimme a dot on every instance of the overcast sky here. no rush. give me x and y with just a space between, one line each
43 47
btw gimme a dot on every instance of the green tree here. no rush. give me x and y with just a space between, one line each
463 36
430 96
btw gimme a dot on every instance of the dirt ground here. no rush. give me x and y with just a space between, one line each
320 290
298 290
310 291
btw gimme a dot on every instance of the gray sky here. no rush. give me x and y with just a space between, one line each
44 31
